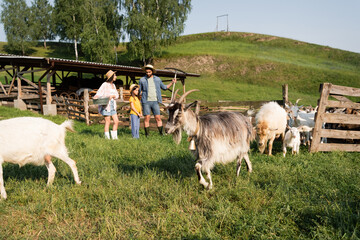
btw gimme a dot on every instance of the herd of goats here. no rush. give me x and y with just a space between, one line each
216 137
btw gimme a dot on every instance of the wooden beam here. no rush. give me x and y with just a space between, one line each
347 91
339 134
285 89
28 81
41 98
31 71
11 85
325 91
19 88
7 69
340 118
328 147
2 87
44 74
336 104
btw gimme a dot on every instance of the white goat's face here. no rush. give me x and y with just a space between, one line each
294 132
175 117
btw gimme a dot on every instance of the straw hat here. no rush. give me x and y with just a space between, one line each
132 86
110 74
149 66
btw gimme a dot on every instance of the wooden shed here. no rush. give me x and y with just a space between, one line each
25 80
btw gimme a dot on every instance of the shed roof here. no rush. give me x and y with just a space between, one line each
82 66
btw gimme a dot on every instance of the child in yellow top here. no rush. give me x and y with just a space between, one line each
136 111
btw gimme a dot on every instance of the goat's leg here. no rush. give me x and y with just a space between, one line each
208 173
238 166
51 169
248 163
72 164
284 149
202 180
271 141
2 188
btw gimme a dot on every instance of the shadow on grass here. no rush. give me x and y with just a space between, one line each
176 165
32 172
26 172
343 220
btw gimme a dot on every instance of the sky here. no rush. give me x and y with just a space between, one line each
333 23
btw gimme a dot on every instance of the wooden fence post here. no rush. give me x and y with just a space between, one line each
121 93
19 88
48 90
41 98
285 89
325 91
86 106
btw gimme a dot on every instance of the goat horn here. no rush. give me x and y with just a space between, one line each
297 101
187 93
174 96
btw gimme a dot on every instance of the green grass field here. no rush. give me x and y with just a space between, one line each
148 189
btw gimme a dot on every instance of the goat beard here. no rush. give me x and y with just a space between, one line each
177 134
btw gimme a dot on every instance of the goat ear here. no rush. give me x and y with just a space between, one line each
190 105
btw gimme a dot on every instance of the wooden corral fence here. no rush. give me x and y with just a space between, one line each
346 139
85 110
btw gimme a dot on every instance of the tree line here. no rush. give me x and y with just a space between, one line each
98 26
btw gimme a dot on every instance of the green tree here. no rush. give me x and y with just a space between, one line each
15 17
41 24
68 18
152 24
100 31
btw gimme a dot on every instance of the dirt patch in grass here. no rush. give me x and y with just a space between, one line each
197 64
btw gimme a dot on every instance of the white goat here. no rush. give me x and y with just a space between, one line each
292 140
270 124
301 118
30 140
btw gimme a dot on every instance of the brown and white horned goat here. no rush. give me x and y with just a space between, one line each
219 137
30 140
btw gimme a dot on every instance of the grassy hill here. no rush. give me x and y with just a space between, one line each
245 66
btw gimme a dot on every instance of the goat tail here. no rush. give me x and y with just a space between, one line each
68 125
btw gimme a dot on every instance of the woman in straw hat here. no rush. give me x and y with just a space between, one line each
108 90
150 87
136 111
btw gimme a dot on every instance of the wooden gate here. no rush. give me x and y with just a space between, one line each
347 139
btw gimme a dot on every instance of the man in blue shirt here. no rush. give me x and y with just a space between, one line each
150 87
